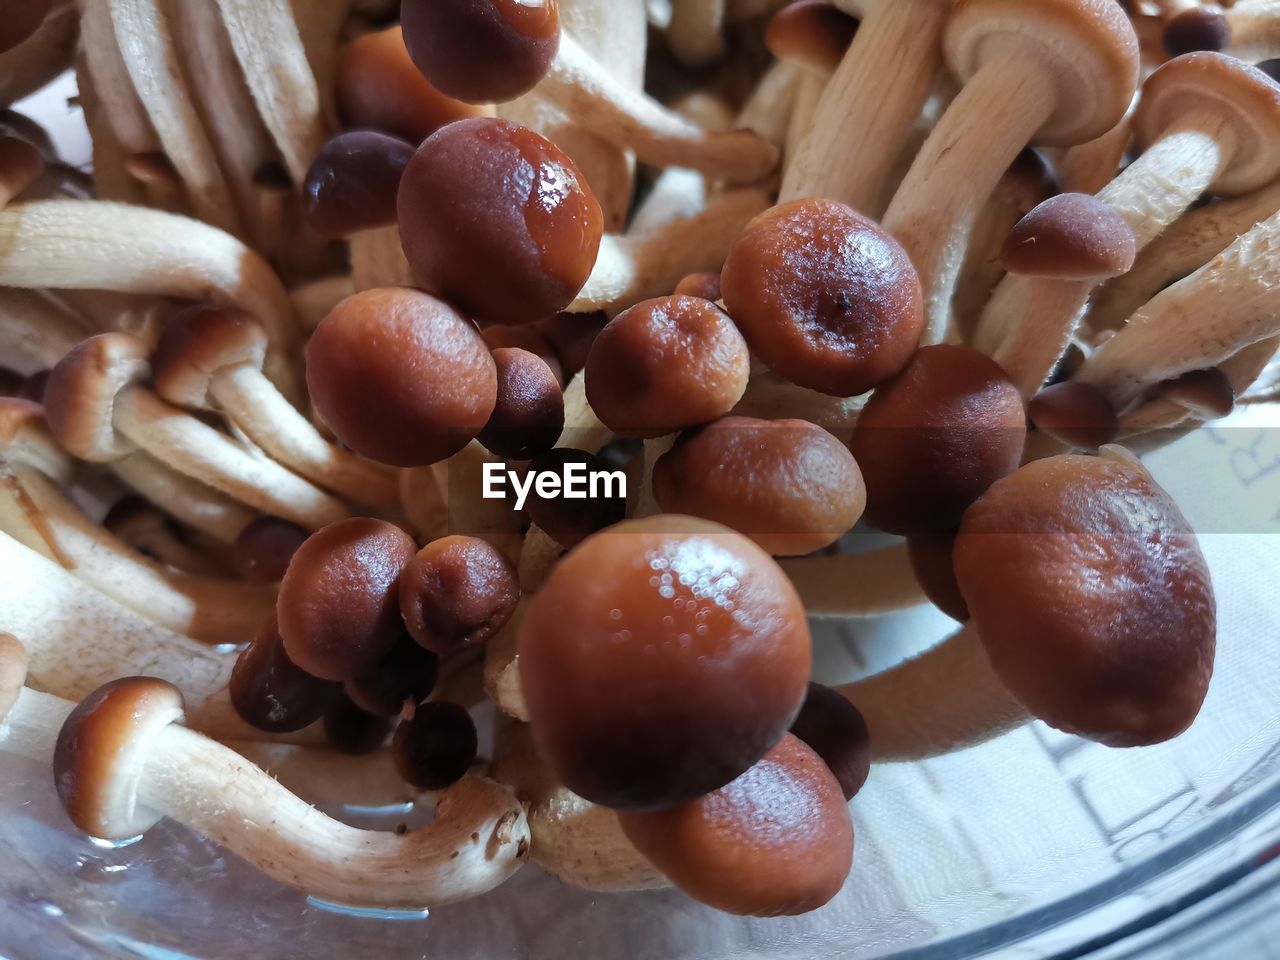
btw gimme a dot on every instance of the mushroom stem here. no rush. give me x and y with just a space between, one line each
502 669
582 428
1088 167
36 333
942 701
313 301
196 505
870 105
696 31
328 779
856 585
768 110
378 260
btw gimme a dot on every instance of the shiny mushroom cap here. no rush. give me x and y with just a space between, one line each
273 694
661 659
789 485
457 591
80 395
400 377
484 198
824 296
1091 597
528 417
932 557
776 841
666 364
197 344
1072 236
353 183
1199 28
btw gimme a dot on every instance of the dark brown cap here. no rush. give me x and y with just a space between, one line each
569 521
1196 29
1072 236
834 729
1208 393
812 33
353 731
404 677
197 344
19 19
273 694
80 395
262 551
933 564
436 747
353 183
528 417
458 591
1076 413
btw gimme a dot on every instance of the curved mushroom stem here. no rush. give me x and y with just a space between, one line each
194 504
41 57
856 585
870 105
98 245
329 779
942 701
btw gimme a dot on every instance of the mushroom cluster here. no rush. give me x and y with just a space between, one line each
297 389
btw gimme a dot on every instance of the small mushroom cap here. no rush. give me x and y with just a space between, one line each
812 33
19 19
528 417
1199 28
824 296
776 841
666 364
102 752
528 338
353 183
489 195
337 606
1247 100
704 285
1209 393
569 521
456 592
379 88
13 672
661 659
1087 46
406 675
572 335
788 485
25 438
1092 598
833 728
933 563
931 441
1076 413
270 692
80 396
262 552
482 51
1072 236
400 377
199 343
353 731
435 748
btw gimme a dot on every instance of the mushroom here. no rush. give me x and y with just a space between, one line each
824 297
365 369
264 548
633 707
528 416
1251 32
933 563
1075 413
813 35
398 683
99 411
457 592
776 841
436 746
788 485
215 611
569 521
833 728
20 167
666 364
270 692
1091 610
211 358
200 507
1065 72
1203 118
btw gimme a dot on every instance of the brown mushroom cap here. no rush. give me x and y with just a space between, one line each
1196 29
777 841
824 296
1092 598
337 606
406 675
435 748
661 659
568 522
572 336
80 395
1076 413
833 728
1208 393
666 364
528 338
1088 46
262 552
789 485
1247 100
1072 236
489 195
273 694
400 377
933 563
812 33
197 344
353 183
704 285
379 88
19 19
101 753
932 440
482 51
353 731
456 592
528 417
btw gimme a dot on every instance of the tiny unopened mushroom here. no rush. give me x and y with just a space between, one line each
270 692
99 410
528 416
1091 609
436 746
633 707
400 377
666 364
457 591
788 485
1070 237
211 358
776 841
824 297
833 728
1065 72
1251 32
337 608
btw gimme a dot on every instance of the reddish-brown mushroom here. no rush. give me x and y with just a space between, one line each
457 591
834 729
1076 413
933 563
354 731
400 377
528 417
789 485
435 748
262 552
486 197
825 297
530 338
666 364
404 677
569 521
353 183
272 693
337 606
571 336
661 659
776 841
704 285
812 33
1072 236
932 440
